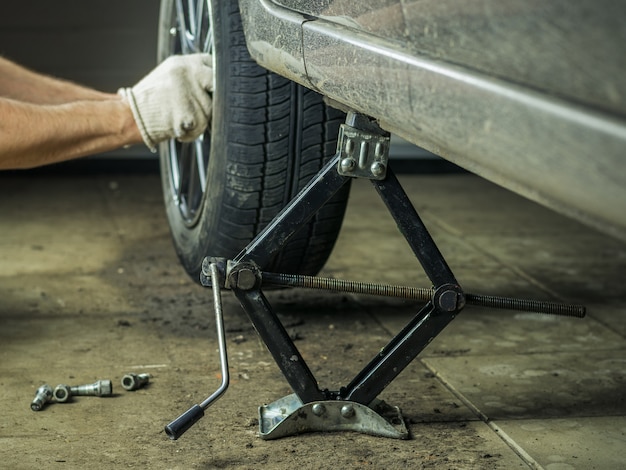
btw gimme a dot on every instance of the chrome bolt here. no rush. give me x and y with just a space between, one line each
134 381
378 169
348 164
347 411
62 393
318 409
173 31
101 388
43 395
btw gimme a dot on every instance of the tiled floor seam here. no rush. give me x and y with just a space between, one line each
521 453
516 270
519 272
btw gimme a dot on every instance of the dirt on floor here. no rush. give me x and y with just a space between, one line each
90 288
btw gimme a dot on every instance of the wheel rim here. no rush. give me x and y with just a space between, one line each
190 33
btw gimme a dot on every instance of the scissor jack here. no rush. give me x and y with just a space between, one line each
362 152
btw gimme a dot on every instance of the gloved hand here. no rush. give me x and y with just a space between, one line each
173 100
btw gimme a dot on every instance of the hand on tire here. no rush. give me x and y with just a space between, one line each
173 100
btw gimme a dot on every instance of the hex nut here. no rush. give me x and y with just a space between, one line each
62 393
105 388
132 381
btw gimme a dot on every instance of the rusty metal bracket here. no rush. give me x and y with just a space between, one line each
288 416
362 153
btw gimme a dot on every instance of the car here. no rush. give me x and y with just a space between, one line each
529 95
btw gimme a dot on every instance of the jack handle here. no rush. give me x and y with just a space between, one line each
180 425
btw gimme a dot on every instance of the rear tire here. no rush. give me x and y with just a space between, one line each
267 138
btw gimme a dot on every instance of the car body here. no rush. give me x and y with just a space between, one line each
528 94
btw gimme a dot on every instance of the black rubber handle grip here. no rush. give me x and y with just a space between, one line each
178 427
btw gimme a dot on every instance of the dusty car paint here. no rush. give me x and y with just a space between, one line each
528 95
572 49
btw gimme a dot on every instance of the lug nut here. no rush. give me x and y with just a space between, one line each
101 388
135 381
43 395
62 393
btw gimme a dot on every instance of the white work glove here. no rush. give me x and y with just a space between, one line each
173 100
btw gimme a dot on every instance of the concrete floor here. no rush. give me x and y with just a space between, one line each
90 288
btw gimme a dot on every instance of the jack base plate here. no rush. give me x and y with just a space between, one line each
288 416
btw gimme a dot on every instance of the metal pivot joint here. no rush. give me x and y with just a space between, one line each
362 152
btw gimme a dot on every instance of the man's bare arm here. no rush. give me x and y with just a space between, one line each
22 84
45 120
33 135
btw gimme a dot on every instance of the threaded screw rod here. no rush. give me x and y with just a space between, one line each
357 287
527 305
419 293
